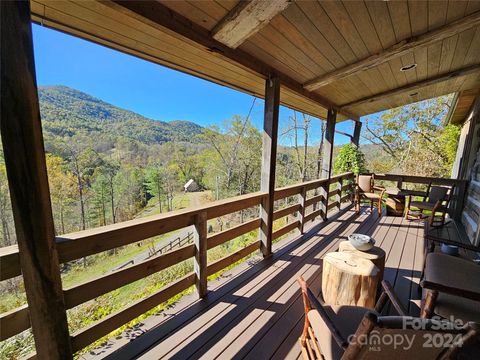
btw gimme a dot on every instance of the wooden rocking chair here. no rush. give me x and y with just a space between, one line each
352 332
365 189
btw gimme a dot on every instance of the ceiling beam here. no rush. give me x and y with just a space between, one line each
415 86
400 49
246 19
161 17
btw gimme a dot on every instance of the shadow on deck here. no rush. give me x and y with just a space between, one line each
256 311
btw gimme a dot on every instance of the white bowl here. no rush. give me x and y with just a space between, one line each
361 242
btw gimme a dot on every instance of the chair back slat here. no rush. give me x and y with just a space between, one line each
365 183
438 193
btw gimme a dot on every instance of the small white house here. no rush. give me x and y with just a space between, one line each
191 186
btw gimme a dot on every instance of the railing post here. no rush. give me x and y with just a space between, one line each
302 198
269 157
356 133
24 154
338 197
200 262
324 202
328 151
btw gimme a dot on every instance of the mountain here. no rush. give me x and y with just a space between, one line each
66 112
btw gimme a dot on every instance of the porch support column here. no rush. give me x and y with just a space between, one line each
356 133
24 154
269 157
328 153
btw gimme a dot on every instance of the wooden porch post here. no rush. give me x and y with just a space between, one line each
328 153
200 263
21 133
356 133
269 157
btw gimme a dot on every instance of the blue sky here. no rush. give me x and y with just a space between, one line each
149 89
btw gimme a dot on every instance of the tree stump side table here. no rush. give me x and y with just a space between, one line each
376 255
349 280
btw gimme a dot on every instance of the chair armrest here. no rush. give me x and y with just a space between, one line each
454 243
450 290
389 294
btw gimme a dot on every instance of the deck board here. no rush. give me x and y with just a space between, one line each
259 312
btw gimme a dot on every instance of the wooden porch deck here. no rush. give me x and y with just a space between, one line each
257 312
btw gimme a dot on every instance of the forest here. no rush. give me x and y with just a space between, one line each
106 165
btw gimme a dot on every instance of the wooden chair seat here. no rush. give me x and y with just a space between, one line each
458 307
452 272
370 196
452 287
346 319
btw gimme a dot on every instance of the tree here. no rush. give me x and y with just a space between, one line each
155 180
6 215
417 137
301 151
350 158
62 190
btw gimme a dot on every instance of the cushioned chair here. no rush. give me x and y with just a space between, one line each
350 332
436 202
365 190
451 287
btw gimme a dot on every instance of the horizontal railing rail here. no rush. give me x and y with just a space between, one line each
90 242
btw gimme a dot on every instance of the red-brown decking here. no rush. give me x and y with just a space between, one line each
258 313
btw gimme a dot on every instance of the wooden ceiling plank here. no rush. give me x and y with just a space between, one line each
471 70
305 26
410 75
472 6
159 16
399 49
380 15
358 12
315 13
345 26
437 17
400 19
246 19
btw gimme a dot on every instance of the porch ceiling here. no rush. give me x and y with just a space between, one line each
303 42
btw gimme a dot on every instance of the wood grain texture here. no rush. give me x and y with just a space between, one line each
246 19
349 280
200 260
24 156
14 322
269 156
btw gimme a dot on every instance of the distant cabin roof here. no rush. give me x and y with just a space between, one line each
189 182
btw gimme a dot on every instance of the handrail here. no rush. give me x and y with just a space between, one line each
84 243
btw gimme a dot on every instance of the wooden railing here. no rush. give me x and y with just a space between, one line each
85 243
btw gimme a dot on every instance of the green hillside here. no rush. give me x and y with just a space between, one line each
66 112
